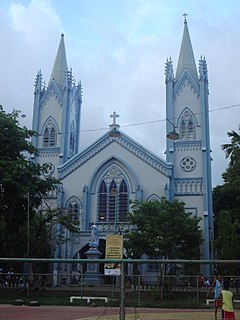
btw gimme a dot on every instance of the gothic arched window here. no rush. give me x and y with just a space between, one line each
102 202
46 138
123 201
52 140
112 202
187 127
183 130
112 197
73 209
49 135
72 140
190 130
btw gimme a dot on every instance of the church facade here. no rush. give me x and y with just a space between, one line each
98 182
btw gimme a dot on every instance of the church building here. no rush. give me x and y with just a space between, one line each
98 182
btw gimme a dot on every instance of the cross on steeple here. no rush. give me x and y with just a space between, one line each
114 124
185 17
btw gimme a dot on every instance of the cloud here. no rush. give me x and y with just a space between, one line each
120 57
29 42
28 19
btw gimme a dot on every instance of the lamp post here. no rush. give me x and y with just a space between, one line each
172 135
211 235
28 240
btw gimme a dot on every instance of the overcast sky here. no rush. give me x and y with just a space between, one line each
118 49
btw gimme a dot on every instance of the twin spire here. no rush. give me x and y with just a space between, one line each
186 60
60 68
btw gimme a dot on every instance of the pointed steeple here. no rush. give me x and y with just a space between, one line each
60 68
186 59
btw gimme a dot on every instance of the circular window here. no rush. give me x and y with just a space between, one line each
188 164
50 168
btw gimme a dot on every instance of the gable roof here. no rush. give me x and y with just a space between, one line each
126 142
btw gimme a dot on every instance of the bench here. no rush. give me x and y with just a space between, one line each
88 298
212 300
209 300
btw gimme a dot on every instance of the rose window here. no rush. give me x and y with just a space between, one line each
188 164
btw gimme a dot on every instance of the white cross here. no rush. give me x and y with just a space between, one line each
185 17
114 116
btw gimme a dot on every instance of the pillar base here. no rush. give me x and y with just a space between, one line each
92 276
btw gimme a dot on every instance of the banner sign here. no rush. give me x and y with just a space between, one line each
114 250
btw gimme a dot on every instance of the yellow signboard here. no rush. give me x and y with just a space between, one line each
114 250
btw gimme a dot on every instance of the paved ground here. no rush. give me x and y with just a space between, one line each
8 312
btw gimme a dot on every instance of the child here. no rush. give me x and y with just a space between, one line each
218 284
227 303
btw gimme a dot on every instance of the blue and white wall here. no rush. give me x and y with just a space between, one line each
187 113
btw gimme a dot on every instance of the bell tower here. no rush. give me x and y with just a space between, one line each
187 112
57 112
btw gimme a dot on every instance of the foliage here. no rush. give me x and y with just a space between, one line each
48 227
226 200
232 175
163 229
226 204
227 196
23 186
227 239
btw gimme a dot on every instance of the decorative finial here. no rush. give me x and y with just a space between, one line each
185 17
114 124
62 35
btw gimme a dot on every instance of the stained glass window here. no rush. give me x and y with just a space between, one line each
112 199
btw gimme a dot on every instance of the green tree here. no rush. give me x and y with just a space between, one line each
227 196
226 205
227 240
23 187
232 175
226 200
163 229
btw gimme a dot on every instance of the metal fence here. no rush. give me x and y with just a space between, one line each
142 282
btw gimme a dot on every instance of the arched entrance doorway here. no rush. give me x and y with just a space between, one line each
81 268
81 255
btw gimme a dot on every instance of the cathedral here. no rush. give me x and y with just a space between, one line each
98 182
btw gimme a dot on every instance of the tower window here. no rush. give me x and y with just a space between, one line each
190 130
72 142
52 137
46 138
49 136
187 127
183 130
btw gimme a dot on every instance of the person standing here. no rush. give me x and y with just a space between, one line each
227 302
218 284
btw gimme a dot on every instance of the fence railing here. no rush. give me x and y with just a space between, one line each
141 281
